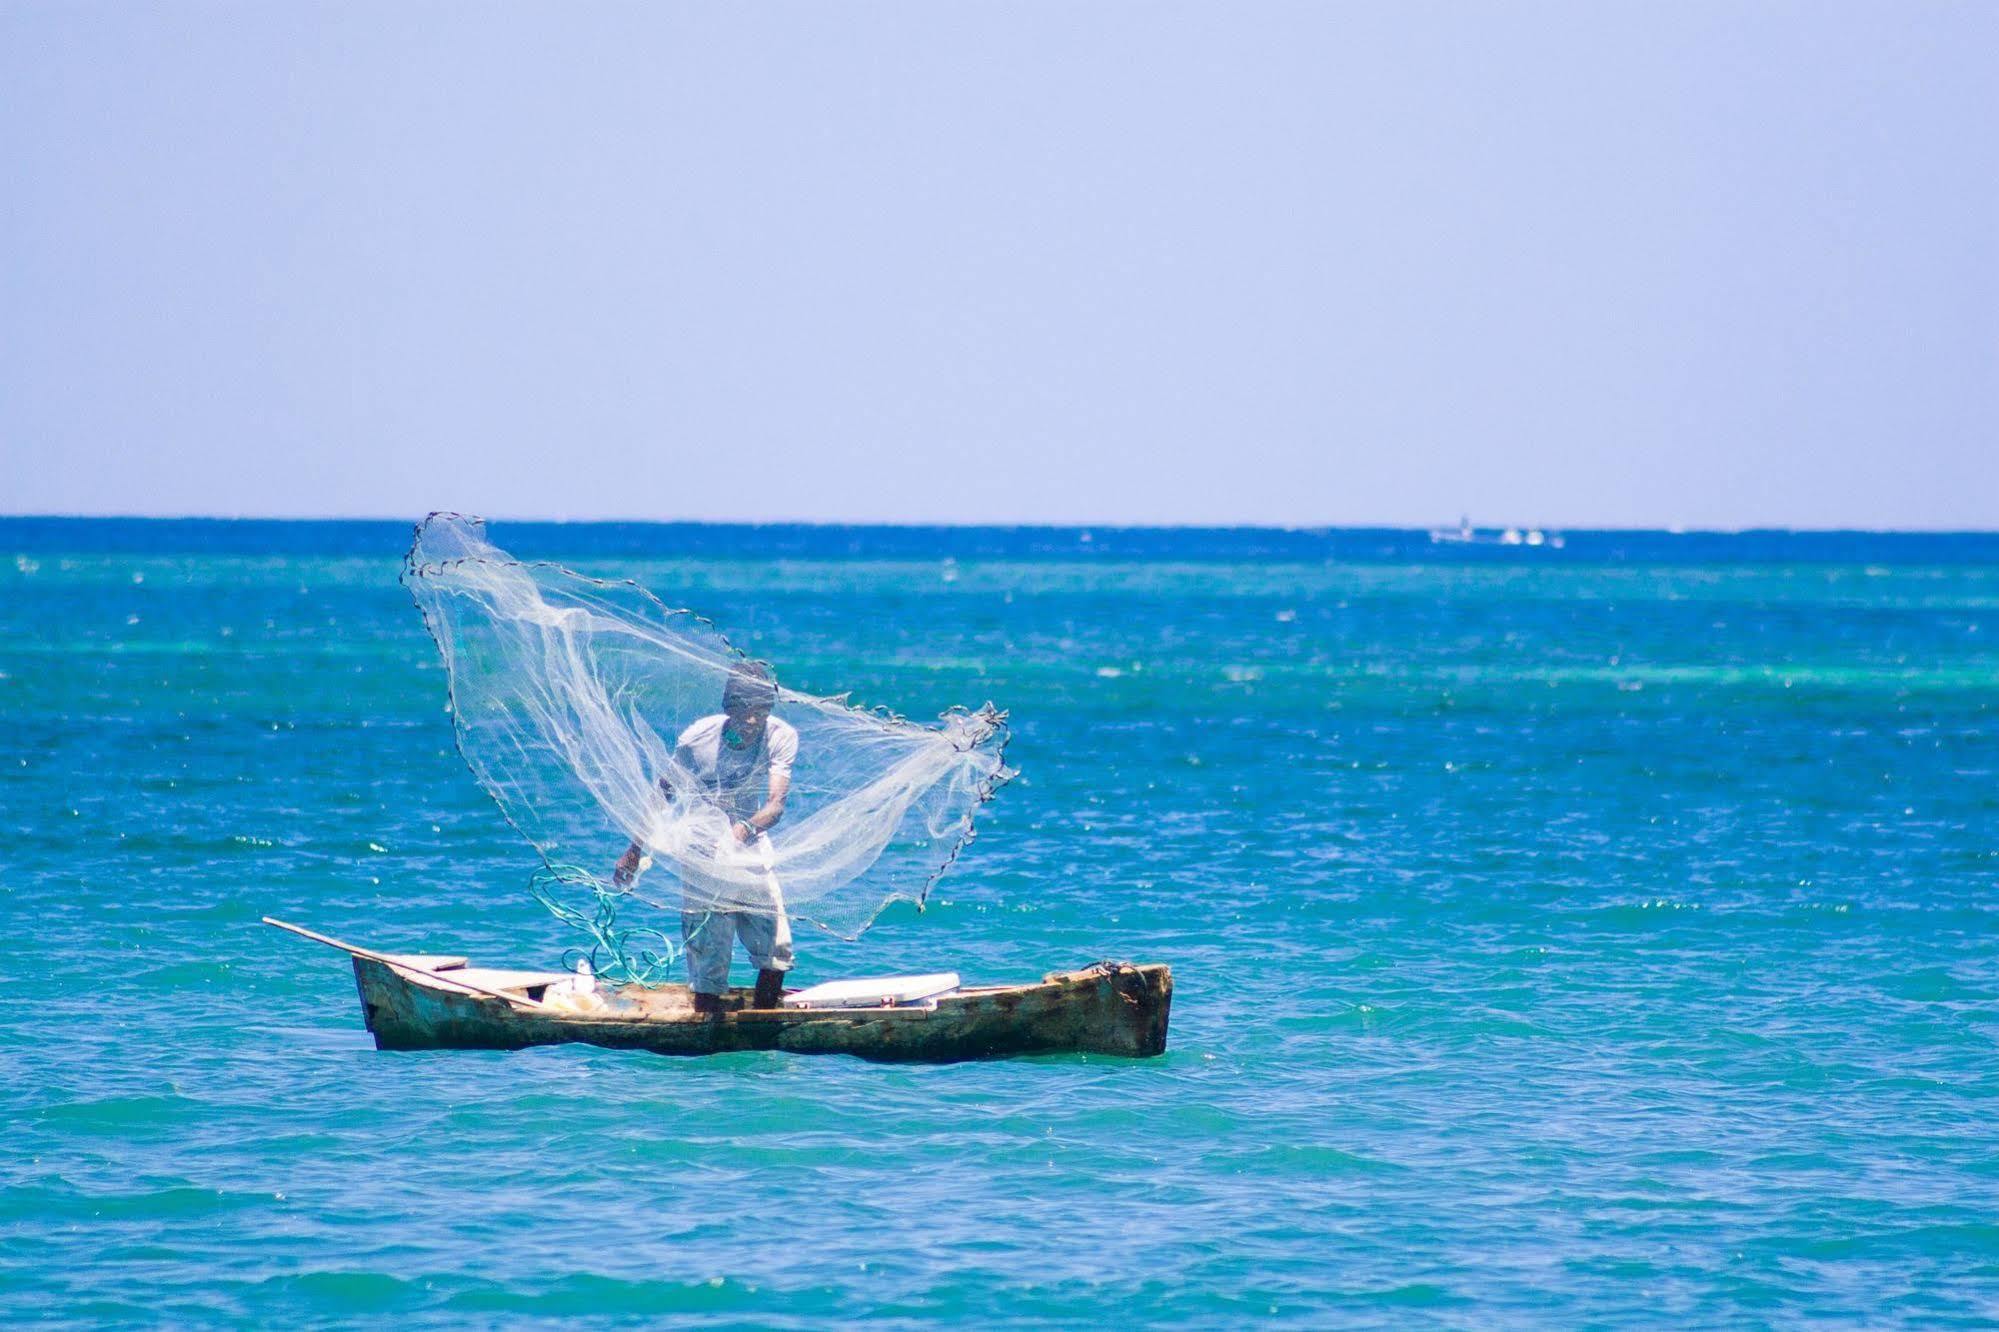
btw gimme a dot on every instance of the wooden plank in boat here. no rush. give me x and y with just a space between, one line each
492 978
429 961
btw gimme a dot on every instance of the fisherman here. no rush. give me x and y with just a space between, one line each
740 760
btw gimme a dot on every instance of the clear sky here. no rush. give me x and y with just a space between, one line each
1705 264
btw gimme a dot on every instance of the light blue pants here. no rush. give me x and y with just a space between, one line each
711 937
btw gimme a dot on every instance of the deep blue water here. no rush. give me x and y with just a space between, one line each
1595 935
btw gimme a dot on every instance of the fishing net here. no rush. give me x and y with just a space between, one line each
635 748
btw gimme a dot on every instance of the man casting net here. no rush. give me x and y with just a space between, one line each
649 762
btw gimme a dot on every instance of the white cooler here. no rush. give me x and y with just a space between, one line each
874 991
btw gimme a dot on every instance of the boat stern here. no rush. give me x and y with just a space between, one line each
405 1014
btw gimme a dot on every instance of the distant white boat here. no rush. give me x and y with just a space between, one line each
1464 534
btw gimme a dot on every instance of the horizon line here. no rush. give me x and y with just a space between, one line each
908 524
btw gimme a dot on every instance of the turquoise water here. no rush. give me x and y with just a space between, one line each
1604 935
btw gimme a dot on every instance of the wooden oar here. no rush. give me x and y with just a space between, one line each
390 960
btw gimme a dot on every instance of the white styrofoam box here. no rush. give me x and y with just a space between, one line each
874 991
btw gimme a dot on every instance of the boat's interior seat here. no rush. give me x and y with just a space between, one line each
492 978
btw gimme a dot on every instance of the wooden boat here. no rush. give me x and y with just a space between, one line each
416 1001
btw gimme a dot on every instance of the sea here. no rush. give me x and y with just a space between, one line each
1603 935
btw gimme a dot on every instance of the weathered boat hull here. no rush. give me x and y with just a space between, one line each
1110 1008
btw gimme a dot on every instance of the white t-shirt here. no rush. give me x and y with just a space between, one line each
738 780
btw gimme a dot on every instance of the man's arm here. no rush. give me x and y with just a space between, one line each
629 864
766 818
783 751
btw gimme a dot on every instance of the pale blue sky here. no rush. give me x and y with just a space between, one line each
1577 264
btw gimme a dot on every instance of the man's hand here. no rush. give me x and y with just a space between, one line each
744 832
